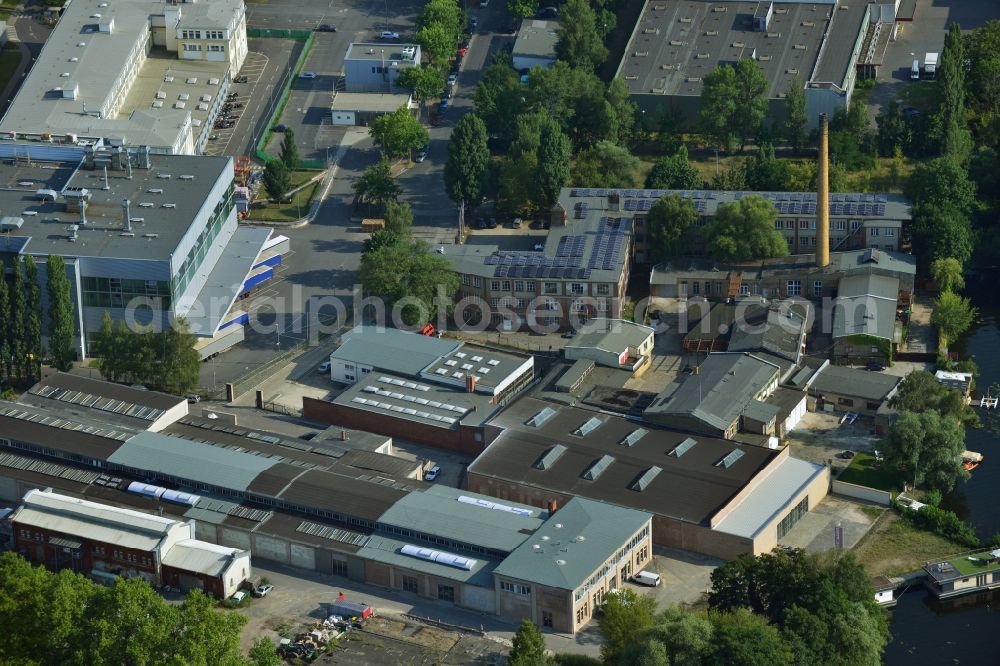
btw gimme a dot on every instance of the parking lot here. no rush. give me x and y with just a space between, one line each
267 68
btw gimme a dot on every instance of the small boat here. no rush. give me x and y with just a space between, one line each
971 460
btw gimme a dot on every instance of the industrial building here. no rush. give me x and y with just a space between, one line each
332 505
707 495
535 44
821 47
578 273
133 72
613 343
107 542
148 236
433 391
363 108
374 67
865 327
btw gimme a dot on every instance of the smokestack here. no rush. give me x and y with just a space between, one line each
823 196
553 506
343 435
470 383
126 218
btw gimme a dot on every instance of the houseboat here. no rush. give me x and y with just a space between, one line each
971 572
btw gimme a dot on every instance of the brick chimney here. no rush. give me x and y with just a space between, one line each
553 506
823 196
557 215
470 383
614 202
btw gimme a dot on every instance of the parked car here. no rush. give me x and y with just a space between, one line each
452 79
307 75
875 366
444 103
547 12
323 367
473 23
432 473
239 596
388 34
262 590
193 398
569 334
326 27
516 224
846 455
422 155
647 578
492 224
463 51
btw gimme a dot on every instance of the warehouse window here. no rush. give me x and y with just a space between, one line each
801 509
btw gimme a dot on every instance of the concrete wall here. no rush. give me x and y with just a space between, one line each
862 492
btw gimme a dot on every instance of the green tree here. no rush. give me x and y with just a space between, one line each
446 14
982 50
625 615
398 219
60 314
623 110
956 140
528 646
940 231
5 332
206 636
751 100
499 99
425 82
277 179
376 187
740 638
289 151
518 185
468 160
579 41
554 153
104 349
33 322
18 341
947 274
378 240
676 638
606 165
398 133
793 128
673 172
438 42
410 270
667 224
719 106
942 181
766 173
953 315
264 653
894 133
178 364
522 8
926 448
920 392
744 230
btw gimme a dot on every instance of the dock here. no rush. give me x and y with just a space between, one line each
987 402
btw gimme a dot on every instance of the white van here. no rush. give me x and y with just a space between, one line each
647 578
915 71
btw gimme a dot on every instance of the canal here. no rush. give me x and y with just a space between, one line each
962 631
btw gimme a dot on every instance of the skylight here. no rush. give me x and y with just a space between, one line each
730 459
550 457
647 477
590 426
682 448
541 417
598 468
633 437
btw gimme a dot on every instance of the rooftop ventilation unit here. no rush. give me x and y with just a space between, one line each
440 557
550 457
496 506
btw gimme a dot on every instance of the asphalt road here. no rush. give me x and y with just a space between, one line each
350 17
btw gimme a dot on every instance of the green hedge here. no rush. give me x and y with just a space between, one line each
944 523
259 153
278 33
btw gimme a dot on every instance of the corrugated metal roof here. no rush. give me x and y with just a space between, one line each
382 548
200 556
866 305
573 543
854 382
193 461
614 335
771 496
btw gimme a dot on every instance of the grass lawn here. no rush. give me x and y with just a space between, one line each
967 567
10 58
291 211
863 471
923 95
895 547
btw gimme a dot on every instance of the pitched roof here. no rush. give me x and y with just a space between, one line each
720 391
573 543
864 384
614 335
193 555
866 305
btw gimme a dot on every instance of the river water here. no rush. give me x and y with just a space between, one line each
962 631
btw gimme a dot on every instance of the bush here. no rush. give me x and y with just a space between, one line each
565 659
932 497
945 524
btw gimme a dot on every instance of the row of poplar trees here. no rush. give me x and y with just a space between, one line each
21 320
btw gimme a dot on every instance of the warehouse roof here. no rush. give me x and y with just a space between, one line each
777 488
381 51
366 497
614 335
68 385
464 517
388 549
43 428
392 349
608 463
90 520
573 543
866 305
677 43
780 332
863 384
536 38
725 384
370 102
200 556
491 367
